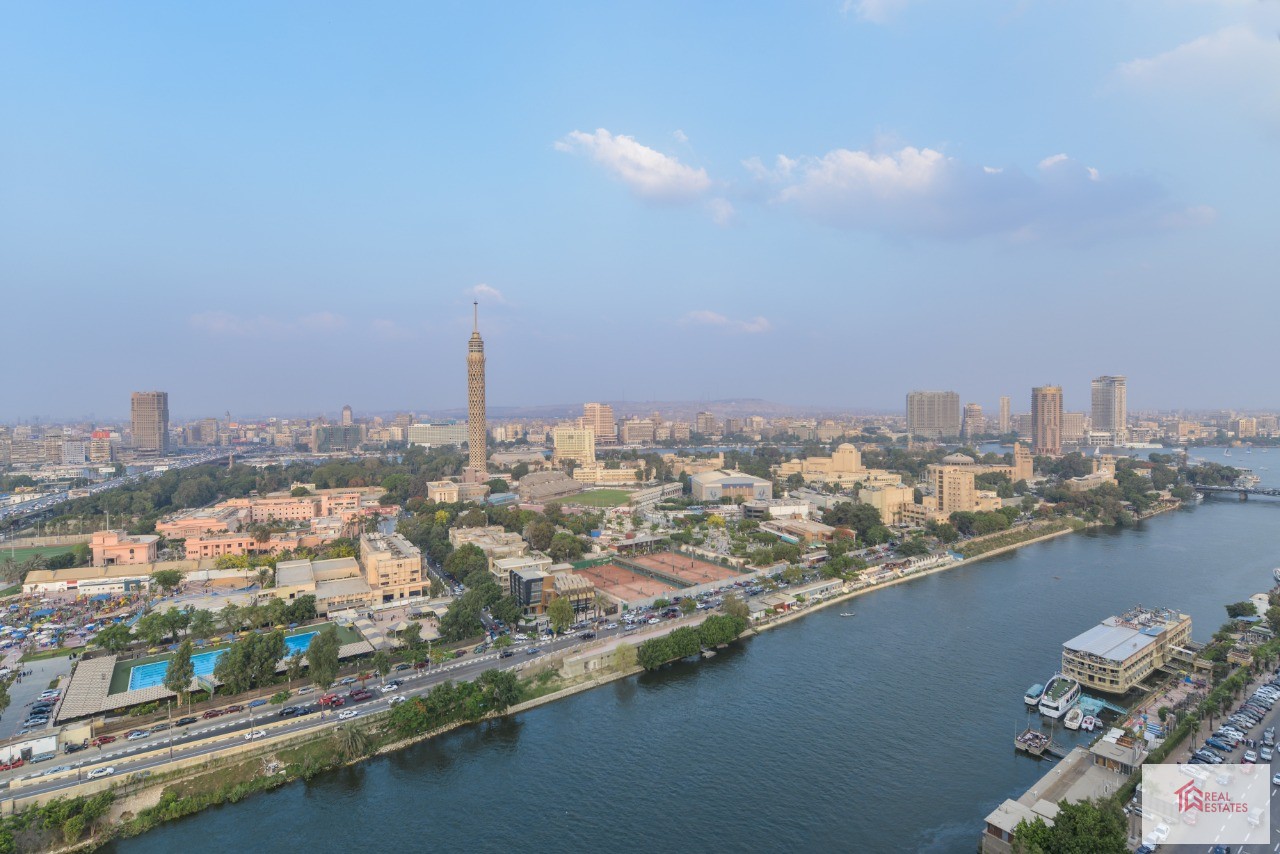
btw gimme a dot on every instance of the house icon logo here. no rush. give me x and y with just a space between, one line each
1190 797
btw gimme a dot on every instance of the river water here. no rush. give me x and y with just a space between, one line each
890 730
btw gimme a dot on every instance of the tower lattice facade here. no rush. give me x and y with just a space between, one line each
476 425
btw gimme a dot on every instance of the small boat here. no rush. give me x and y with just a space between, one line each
847 614
1033 695
1031 740
1074 718
1275 573
1089 723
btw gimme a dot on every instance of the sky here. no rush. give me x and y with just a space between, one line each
279 208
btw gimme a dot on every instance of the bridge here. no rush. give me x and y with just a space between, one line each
1243 492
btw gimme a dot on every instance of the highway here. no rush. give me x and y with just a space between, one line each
207 737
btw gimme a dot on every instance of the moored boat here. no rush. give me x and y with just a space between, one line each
1031 740
1275 573
1074 718
1089 723
1033 695
847 614
1059 696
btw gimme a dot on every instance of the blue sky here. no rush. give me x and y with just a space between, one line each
279 208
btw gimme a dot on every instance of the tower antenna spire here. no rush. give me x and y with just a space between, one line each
475 316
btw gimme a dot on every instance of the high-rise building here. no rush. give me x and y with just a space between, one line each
933 414
1046 420
974 422
149 416
348 417
573 443
599 417
1005 423
1111 406
705 423
476 425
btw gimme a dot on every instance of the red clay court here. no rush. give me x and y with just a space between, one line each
690 569
623 583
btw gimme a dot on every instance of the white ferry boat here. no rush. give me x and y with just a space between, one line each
1059 697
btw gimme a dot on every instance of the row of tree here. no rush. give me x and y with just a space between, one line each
690 640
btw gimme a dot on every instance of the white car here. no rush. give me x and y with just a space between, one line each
137 734
1275 779
1264 754
98 773
1159 835
348 714
612 626
257 733
397 700
1250 756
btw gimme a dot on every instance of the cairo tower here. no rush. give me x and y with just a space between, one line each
476 430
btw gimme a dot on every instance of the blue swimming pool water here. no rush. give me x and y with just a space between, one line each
150 675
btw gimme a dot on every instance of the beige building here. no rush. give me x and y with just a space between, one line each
1118 653
933 414
392 567
452 492
1075 426
1046 420
974 422
1005 423
893 502
204 520
494 540
1109 397
598 475
1245 428
598 417
119 548
502 568
573 443
337 584
843 466
149 422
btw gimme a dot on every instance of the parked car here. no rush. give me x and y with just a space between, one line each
1264 753
103 739
211 714
1249 756
136 734
253 704
184 721
230 710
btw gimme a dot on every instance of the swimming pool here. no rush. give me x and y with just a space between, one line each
150 675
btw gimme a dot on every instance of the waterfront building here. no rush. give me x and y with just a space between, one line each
892 502
348 416
1005 423
1046 420
1110 413
599 418
120 548
573 443
149 422
1075 427
933 414
974 423
954 488
1118 653
843 466
438 433
1244 427
336 438
477 429
392 567
638 431
714 485
705 423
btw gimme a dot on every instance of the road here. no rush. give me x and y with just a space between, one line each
207 737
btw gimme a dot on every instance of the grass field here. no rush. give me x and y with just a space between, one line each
600 498
21 555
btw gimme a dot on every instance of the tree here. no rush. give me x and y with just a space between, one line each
437 588
202 623
115 638
565 547
152 628
502 642
688 606
167 580
497 485
264 578
353 741
411 637
506 609
382 663
1242 609
293 665
560 613
1087 827
181 670
230 617
299 492
913 547
734 606
322 657
539 533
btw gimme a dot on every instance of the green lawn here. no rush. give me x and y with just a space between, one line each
49 653
21 555
600 498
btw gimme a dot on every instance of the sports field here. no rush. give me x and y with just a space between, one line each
600 498
623 583
21 554
689 569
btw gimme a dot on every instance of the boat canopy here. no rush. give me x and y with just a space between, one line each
1035 690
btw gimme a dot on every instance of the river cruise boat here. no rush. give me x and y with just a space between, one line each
1059 697
1036 691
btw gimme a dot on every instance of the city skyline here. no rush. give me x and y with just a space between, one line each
729 212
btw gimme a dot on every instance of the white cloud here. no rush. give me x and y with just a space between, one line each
922 192
721 210
228 324
1237 66
487 293
874 11
648 172
712 318
679 135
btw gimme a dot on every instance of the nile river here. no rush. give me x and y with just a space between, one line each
889 730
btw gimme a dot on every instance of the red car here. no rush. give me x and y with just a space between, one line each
360 694
212 713
331 700
9 766
231 709
103 739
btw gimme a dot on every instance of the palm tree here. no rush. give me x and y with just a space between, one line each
353 741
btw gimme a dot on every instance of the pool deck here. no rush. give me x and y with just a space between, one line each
90 690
